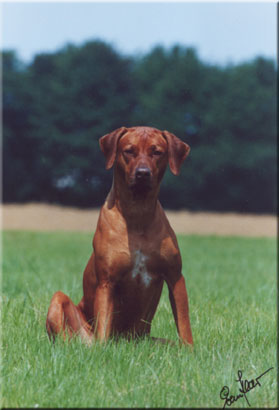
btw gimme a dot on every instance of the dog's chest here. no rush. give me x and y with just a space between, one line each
139 270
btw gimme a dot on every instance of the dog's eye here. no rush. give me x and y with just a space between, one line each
129 151
157 152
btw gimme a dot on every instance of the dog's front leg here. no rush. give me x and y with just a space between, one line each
179 303
103 308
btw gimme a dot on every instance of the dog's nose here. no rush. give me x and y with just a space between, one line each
143 173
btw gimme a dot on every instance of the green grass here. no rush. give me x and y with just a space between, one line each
231 285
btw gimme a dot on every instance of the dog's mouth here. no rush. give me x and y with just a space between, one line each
140 186
141 180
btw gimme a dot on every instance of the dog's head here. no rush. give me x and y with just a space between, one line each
141 155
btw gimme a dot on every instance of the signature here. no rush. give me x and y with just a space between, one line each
245 387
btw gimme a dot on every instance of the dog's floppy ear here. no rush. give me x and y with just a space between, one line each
108 145
177 150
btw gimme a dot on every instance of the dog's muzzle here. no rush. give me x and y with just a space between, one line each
142 174
142 179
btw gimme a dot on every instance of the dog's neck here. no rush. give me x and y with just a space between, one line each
138 209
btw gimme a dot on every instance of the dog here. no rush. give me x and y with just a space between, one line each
134 247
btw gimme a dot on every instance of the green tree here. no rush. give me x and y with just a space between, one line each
78 94
56 109
19 151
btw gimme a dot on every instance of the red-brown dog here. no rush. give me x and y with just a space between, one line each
135 248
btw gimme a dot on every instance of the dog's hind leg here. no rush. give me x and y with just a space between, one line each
66 318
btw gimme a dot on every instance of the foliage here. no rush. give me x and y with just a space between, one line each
56 108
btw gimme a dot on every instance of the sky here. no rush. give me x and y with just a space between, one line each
222 32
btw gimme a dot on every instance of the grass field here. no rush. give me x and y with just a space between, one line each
231 283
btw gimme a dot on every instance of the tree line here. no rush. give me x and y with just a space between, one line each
57 107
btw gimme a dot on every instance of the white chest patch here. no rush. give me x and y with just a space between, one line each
140 268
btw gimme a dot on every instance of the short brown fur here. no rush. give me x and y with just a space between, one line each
134 248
